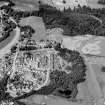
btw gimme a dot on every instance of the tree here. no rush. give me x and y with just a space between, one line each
101 2
103 69
64 1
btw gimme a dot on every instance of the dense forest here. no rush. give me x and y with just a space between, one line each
79 21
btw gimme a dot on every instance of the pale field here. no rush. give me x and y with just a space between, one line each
38 25
72 3
94 4
86 90
94 85
69 3
80 42
89 90
96 78
27 4
92 88
33 4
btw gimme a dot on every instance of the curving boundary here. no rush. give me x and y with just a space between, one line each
9 42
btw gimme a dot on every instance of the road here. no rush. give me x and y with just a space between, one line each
7 47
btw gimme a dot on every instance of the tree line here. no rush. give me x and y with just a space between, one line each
78 21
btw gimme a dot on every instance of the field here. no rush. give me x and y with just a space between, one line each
38 25
33 4
27 4
94 85
94 4
89 90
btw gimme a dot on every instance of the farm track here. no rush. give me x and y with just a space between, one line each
93 74
97 19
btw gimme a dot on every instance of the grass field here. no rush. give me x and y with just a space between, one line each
37 24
